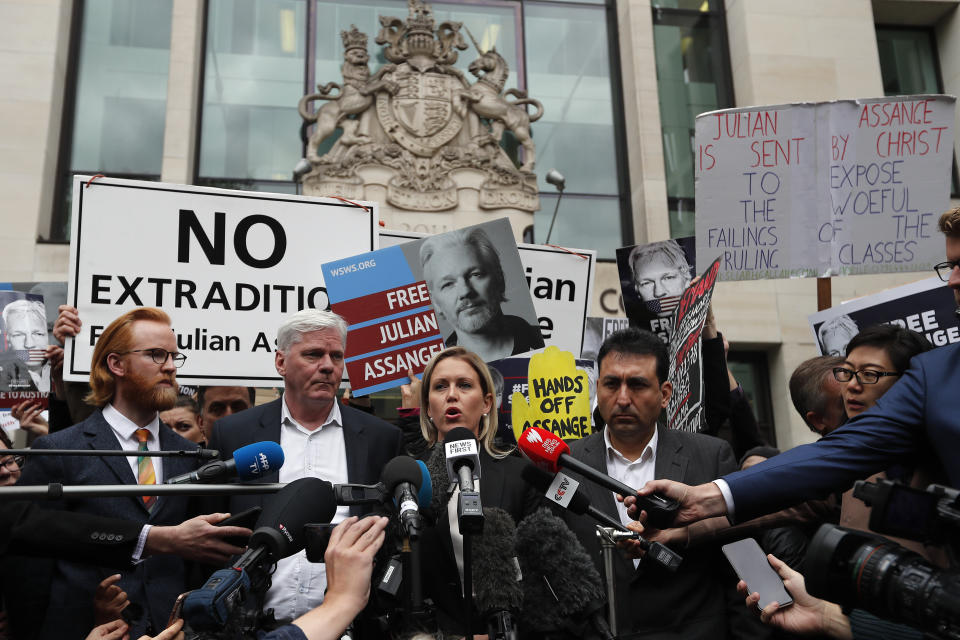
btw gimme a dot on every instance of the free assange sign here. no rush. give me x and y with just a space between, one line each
227 266
821 189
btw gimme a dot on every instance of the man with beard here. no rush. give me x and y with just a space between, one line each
132 377
467 286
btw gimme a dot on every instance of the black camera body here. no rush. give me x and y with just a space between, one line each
868 571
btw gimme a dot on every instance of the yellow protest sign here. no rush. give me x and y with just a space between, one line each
559 396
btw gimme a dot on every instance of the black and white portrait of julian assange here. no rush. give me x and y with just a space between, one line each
480 293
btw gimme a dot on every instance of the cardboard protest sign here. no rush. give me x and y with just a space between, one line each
685 409
24 369
834 188
652 279
510 377
227 266
393 329
558 397
54 294
560 282
471 277
596 330
926 307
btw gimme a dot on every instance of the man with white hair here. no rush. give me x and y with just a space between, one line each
25 333
320 437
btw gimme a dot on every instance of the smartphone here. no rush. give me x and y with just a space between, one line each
317 537
175 613
750 562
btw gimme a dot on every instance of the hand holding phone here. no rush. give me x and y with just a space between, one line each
750 562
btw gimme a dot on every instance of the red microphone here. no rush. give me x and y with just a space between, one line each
550 453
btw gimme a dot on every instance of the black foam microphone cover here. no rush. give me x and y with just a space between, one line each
280 526
493 553
401 469
459 433
550 554
437 466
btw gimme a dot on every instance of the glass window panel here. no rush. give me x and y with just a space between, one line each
568 70
907 61
267 186
121 93
253 78
583 222
692 77
689 5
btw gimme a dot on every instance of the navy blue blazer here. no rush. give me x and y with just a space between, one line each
697 602
153 584
370 444
919 415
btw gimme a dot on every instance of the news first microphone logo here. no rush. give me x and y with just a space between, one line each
561 490
461 448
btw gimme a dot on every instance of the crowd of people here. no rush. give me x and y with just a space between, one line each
112 567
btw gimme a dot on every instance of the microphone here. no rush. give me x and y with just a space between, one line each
350 494
403 479
463 459
463 467
439 481
278 534
496 574
251 462
563 490
549 452
558 575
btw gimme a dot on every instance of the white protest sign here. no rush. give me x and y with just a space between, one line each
835 188
560 281
227 266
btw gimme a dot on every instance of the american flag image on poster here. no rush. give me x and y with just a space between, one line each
663 305
31 357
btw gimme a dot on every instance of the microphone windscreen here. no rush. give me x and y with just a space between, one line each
549 552
425 496
437 466
541 481
302 501
493 554
401 469
459 433
542 448
258 459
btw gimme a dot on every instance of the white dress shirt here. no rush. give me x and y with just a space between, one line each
633 473
125 430
298 585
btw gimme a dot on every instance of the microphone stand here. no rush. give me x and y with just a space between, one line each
56 491
607 544
468 581
203 454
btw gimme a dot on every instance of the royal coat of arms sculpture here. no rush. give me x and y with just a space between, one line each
421 118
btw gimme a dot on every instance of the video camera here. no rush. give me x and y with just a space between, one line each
868 571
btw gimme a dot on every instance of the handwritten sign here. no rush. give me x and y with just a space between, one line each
559 398
835 188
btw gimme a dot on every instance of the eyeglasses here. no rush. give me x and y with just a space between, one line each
13 462
944 269
160 355
864 376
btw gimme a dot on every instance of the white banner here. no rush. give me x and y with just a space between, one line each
228 266
560 281
834 188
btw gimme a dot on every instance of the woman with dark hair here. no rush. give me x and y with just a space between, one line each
457 391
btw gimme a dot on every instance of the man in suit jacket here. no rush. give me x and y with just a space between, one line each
700 599
918 414
133 376
320 437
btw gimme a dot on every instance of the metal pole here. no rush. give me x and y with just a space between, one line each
607 545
